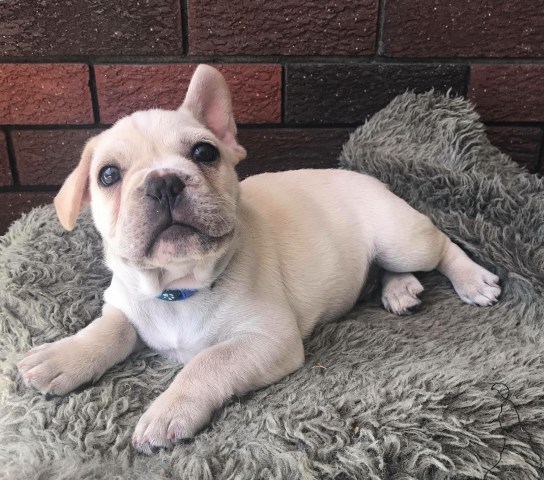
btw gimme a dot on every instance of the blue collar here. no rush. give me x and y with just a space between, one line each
176 294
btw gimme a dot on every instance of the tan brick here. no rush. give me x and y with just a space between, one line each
97 27
46 157
45 94
521 143
508 92
123 89
464 28
277 149
349 93
15 204
289 27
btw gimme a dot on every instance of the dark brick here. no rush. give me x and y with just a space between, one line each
272 150
122 89
508 92
289 27
5 170
97 27
46 157
44 94
15 204
465 28
348 93
521 143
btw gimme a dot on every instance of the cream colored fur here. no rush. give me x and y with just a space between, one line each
275 254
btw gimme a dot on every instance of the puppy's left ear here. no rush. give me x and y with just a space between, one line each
74 193
208 99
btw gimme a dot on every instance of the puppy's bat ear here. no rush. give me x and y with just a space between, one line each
74 193
208 99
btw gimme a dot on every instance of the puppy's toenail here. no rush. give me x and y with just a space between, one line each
413 309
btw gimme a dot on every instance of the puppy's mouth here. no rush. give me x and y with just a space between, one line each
177 228
176 231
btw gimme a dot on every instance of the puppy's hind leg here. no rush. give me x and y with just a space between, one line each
412 243
400 293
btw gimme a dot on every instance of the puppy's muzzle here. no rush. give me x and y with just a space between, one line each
165 189
167 204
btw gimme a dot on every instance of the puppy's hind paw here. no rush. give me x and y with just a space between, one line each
478 287
400 293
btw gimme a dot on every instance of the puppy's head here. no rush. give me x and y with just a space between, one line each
162 184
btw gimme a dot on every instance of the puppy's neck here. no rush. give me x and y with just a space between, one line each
185 274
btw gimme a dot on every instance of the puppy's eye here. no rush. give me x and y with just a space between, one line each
109 175
204 153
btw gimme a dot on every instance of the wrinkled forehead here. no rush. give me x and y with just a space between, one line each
151 133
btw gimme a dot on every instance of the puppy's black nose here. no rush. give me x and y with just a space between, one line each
165 189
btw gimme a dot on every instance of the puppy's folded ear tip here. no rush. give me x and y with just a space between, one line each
74 193
68 228
241 153
66 221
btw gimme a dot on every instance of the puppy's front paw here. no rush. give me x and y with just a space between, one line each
477 286
170 419
56 368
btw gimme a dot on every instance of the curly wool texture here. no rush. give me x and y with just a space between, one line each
379 397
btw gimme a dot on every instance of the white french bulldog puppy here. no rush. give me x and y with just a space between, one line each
228 277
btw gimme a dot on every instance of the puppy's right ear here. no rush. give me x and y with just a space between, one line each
74 193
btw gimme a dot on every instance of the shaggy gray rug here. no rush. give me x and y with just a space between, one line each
452 391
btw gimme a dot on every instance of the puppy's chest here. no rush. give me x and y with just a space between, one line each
178 330
174 330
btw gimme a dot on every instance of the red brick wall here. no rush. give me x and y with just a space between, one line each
303 74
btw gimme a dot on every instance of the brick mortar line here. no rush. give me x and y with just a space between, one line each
258 126
276 59
12 158
513 124
540 159
468 78
94 95
379 47
283 99
29 189
184 6
55 126
241 126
